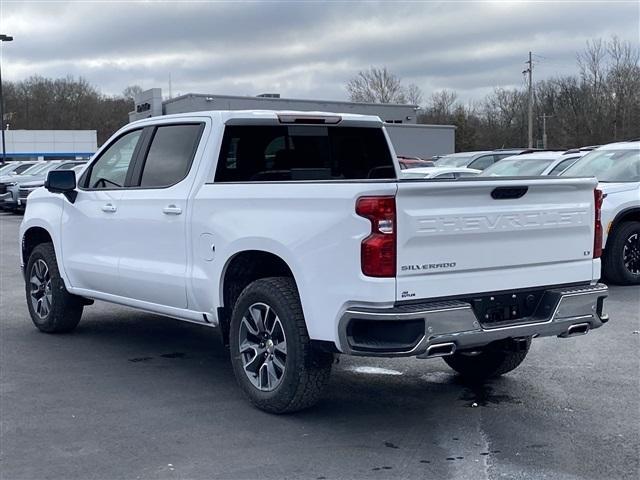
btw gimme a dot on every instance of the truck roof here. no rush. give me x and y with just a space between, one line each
257 115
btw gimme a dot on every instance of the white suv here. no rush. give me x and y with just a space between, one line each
617 168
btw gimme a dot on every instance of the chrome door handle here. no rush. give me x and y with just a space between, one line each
109 208
172 210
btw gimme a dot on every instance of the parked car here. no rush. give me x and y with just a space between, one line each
478 160
9 180
9 188
462 159
526 165
533 164
269 226
15 168
449 173
617 168
586 149
24 189
31 167
564 161
413 162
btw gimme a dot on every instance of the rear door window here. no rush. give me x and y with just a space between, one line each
169 158
303 152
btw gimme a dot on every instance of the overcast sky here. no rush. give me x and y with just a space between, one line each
303 49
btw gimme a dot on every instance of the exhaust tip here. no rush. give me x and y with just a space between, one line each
440 350
577 329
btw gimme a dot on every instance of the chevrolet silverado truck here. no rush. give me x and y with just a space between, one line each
294 234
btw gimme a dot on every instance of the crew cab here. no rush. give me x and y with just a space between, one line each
296 236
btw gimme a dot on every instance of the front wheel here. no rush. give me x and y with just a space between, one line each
273 359
52 308
491 361
621 262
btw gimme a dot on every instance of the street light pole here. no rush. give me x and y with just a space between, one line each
544 117
529 71
3 38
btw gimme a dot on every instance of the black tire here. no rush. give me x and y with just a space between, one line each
306 369
613 261
65 309
492 361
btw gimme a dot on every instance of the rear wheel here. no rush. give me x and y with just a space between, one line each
273 359
621 262
52 308
491 361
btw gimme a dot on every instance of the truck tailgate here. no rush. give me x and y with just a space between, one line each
486 235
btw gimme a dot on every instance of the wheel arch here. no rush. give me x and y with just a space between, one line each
242 268
631 214
31 238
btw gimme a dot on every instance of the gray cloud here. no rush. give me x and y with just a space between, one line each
303 49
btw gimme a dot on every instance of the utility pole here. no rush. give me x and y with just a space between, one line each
3 38
544 117
529 71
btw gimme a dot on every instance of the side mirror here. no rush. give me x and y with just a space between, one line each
62 181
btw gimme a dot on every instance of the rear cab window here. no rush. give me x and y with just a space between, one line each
252 153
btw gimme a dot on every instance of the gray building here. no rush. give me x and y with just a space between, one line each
408 138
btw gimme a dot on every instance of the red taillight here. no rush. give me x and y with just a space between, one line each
378 250
597 237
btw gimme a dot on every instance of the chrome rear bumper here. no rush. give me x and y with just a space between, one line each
447 326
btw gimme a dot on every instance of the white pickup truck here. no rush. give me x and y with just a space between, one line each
292 233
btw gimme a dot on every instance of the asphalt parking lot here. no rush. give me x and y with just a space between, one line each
132 395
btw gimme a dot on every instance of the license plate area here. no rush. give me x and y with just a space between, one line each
507 308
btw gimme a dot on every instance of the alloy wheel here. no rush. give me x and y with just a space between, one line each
631 254
40 282
263 347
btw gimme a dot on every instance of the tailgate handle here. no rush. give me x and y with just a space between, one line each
505 193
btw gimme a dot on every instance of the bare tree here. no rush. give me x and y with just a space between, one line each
441 105
413 94
591 62
131 91
39 103
376 85
623 81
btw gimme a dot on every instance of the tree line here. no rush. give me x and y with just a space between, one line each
39 103
599 104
